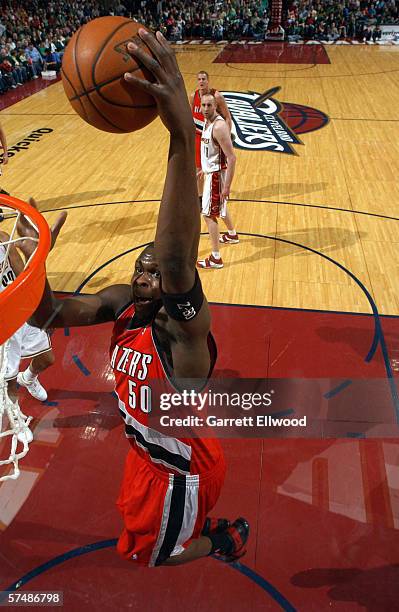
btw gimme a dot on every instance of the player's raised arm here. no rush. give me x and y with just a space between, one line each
178 228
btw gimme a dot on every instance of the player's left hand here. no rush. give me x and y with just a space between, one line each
26 230
168 87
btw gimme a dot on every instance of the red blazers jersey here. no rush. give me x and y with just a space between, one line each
137 359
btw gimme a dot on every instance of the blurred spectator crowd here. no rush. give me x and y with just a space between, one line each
234 19
208 19
334 19
34 33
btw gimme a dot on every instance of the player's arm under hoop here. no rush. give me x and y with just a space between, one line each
72 311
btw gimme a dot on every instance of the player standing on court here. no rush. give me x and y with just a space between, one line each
199 120
218 165
161 331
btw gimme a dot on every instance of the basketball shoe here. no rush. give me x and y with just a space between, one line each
210 262
225 238
229 546
214 525
35 388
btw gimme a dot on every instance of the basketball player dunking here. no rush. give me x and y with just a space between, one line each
199 120
161 331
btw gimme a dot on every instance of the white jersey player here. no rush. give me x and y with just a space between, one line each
28 342
218 164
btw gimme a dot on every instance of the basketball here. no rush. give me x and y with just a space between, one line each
93 66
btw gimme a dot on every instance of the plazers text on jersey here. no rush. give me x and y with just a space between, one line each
130 362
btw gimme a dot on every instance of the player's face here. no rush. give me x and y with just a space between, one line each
208 107
146 291
203 82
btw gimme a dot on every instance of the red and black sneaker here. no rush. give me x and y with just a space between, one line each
214 525
227 238
237 535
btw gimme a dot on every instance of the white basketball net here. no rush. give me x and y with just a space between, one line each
15 435
14 425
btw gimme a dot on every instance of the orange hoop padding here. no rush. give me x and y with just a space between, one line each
20 299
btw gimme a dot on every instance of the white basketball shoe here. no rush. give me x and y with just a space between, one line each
34 387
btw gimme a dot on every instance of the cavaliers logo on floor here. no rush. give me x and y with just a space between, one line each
262 123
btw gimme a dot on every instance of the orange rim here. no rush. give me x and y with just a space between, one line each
21 298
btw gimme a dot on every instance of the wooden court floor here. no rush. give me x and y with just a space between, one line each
335 202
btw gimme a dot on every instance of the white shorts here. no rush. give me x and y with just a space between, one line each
212 203
27 342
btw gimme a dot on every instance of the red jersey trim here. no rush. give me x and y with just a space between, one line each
122 310
169 452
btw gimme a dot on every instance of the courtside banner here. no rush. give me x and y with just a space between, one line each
269 408
390 32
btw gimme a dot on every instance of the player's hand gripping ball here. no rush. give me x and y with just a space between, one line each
93 69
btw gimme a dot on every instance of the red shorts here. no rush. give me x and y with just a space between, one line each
163 512
198 150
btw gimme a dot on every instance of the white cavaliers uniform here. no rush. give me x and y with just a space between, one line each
213 164
28 341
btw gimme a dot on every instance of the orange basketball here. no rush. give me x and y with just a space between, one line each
93 66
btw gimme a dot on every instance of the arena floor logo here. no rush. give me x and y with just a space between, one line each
24 144
262 123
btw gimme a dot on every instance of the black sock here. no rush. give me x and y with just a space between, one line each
220 542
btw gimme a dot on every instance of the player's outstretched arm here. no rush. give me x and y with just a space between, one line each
77 310
178 227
